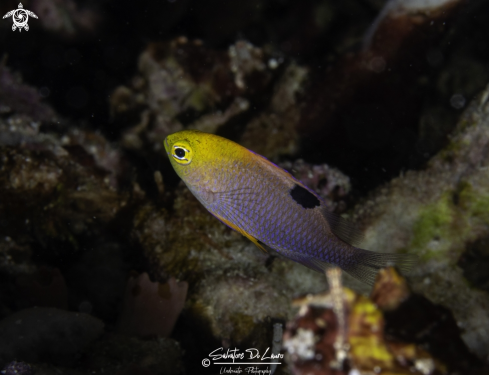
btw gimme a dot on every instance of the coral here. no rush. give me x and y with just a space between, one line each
58 185
172 92
170 86
272 133
151 308
371 339
18 97
92 150
437 213
245 59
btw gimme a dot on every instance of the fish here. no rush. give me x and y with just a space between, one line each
274 210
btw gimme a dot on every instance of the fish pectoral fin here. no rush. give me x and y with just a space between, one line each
243 232
246 195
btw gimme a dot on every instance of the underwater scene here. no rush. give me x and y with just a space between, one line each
244 187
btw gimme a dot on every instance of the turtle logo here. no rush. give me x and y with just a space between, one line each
20 17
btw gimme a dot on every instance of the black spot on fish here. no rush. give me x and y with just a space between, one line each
304 197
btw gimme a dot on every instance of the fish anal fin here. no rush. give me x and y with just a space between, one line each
244 233
343 228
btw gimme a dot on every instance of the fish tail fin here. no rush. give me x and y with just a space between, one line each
365 264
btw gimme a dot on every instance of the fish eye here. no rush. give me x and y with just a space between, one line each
181 154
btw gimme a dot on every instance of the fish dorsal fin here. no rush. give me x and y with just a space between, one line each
343 228
274 168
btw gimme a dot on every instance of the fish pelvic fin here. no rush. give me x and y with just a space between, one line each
243 232
364 264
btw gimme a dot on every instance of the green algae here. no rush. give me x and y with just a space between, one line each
434 222
450 152
476 203
452 218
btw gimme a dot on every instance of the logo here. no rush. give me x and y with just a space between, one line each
233 361
20 17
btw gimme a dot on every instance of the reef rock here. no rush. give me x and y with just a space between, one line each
248 95
441 214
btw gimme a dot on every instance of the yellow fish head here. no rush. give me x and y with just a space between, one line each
193 153
183 151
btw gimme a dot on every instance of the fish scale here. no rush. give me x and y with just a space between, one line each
270 207
287 219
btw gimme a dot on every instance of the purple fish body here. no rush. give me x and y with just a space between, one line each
273 209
